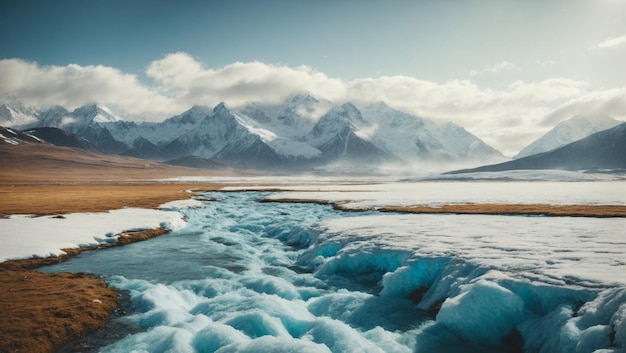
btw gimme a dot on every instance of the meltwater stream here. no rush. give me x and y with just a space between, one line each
246 276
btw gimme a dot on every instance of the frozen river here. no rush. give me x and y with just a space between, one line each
245 276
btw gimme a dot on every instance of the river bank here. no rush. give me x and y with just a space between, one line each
42 311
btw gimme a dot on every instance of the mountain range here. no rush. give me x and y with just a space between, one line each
305 133
300 133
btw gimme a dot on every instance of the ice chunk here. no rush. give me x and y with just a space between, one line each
417 274
483 312
594 338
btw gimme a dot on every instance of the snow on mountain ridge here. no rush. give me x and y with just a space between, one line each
573 129
95 113
338 120
413 138
17 115
292 119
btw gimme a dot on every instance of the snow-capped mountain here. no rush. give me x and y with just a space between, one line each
293 118
17 115
301 133
413 138
55 116
568 131
605 150
338 135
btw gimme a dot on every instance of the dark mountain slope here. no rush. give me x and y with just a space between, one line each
60 137
602 150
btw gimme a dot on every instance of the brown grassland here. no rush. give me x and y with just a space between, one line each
602 211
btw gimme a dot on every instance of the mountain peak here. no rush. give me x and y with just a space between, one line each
339 120
352 113
222 108
303 98
191 116
95 113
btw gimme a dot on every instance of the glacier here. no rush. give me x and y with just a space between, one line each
246 276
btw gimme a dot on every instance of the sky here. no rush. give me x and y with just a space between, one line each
506 70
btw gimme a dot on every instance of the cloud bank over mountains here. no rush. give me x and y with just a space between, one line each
507 118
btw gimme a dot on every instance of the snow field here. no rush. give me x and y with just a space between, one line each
25 236
434 193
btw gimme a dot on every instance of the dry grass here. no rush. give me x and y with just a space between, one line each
600 211
518 209
59 199
41 311
45 179
29 163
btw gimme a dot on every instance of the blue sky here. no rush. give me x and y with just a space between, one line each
538 58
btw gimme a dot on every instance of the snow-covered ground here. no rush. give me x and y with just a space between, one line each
25 236
446 192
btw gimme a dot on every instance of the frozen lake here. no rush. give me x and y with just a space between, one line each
246 276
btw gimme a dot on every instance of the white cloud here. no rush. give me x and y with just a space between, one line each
74 85
612 42
507 118
611 102
496 69
237 83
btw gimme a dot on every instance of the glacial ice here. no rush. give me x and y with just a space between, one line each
483 312
245 276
